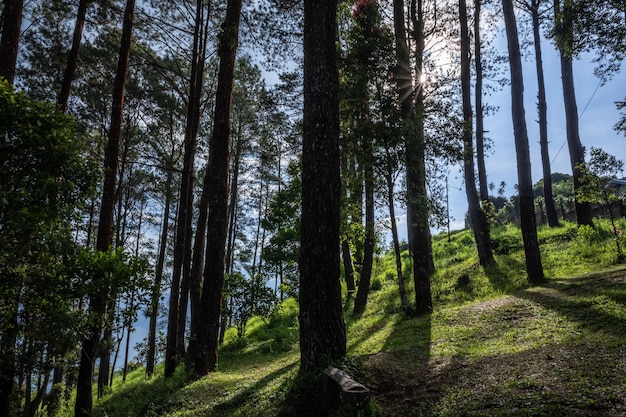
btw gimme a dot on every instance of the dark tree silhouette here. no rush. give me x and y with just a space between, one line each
534 267
322 329
480 225
218 172
98 300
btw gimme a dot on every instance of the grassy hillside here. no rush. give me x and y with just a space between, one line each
492 346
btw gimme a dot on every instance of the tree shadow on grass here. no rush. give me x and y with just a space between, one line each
397 374
594 301
505 275
276 381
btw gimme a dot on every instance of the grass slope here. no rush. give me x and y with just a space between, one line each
492 346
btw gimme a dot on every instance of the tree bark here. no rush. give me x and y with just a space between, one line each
542 107
217 171
534 268
10 40
480 225
565 32
182 244
480 129
417 196
396 244
158 277
368 246
72 59
98 300
322 328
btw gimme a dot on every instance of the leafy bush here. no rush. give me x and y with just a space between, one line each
587 234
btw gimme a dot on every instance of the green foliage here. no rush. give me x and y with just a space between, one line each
248 297
56 402
44 180
484 321
282 220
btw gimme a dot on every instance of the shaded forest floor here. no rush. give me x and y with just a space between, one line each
554 350
492 346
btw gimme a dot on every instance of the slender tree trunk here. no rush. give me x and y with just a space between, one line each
182 245
368 247
347 266
564 17
542 107
158 277
396 244
98 299
72 59
106 348
322 329
111 369
10 40
534 267
346 254
480 129
41 391
480 224
7 358
129 331
217 170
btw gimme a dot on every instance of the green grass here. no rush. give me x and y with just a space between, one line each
493 346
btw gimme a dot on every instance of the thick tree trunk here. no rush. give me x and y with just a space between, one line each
217 171
542 107
10 40
417 196
182 245
564 31
480 129
72 59
480 225
322 328
98 300
534 268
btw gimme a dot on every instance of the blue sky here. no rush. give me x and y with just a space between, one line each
597 116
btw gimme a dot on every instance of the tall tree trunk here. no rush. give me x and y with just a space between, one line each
41 391
98 299
182 245
158 277
417 196
405 92
346 254
396 244
542 107
534 267
480 225
347 266
322 328
10 40
72 59
8 359
368 246
217 170
478 96
564 30
106 346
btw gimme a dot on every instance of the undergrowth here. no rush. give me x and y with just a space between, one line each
485 322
